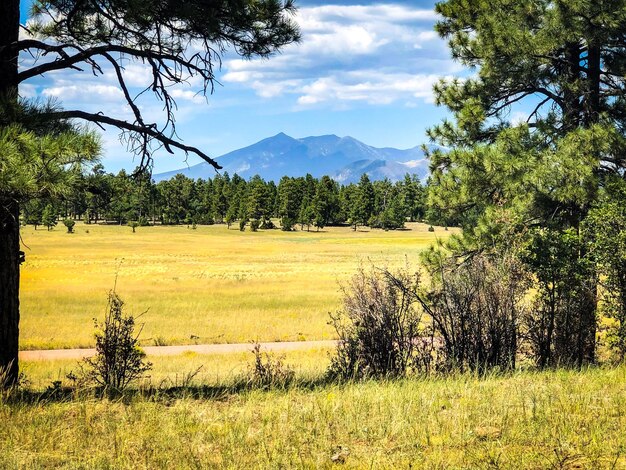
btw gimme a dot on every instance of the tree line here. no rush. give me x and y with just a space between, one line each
307 202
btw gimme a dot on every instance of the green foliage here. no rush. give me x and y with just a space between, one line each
33 212
69 224
46 165
254 225
363 203
560 64
605 234
133 224
119 360
123 198
49 217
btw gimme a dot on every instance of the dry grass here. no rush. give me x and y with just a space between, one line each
209 285
561 420
167 371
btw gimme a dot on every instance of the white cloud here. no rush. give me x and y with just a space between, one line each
376 54
84 92
368 86
187 95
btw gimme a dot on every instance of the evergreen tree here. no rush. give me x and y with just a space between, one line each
49 217
306 214
289 201
33 212
565 62
363 204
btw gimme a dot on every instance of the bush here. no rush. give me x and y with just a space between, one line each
143 221
431 229
69 224
242 225
476 308
378 327
132 224
255 224
268 371
118 360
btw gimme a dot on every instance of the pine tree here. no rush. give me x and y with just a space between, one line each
363 204
564 62
49 217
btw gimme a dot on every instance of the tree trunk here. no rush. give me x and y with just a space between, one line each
9 208
9 289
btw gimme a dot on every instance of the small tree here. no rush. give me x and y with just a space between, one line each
49 217
231 216
119 360
133 224
69 224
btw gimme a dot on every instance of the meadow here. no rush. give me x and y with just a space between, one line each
559 419
227 286
208 285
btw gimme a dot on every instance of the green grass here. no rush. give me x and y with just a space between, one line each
527 420
219 285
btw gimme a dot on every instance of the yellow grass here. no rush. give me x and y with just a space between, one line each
168 371
209 285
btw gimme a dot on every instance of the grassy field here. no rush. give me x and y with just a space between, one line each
209 285
565 420
212 369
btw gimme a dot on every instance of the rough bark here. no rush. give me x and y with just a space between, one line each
9 208
9 290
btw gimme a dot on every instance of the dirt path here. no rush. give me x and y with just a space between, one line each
55 354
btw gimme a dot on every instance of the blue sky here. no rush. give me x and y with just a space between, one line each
363 69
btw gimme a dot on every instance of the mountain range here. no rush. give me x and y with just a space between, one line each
344 159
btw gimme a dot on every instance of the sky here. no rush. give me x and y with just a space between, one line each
363 69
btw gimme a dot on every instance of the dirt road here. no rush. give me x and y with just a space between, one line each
54 354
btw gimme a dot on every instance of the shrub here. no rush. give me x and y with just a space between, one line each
118 360
476 308
143 221
132 224
242 225
69 224
431 229
378 327
268 371
255 224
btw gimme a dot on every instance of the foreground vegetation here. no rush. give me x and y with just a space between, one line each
562 419
209 285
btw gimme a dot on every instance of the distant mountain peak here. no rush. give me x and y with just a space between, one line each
343 158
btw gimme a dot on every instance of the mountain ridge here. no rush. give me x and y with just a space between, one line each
344 159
